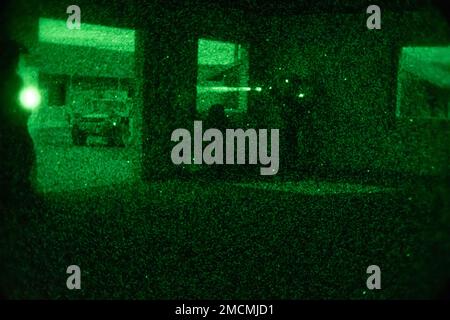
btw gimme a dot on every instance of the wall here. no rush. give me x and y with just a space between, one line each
356 128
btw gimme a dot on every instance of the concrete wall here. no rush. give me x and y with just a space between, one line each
357 127
82 61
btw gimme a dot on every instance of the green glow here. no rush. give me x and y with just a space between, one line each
259 89
301 95
216 52
223 89
90 35
314 188
417 66
429 63
30 98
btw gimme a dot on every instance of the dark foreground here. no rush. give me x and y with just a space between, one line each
181 239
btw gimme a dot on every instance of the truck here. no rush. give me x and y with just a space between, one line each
103 117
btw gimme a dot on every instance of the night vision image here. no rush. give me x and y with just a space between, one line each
224 150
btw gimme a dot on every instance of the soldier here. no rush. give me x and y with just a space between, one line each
296 101
16 146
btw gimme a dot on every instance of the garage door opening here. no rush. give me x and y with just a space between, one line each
84 126
424 83
223 77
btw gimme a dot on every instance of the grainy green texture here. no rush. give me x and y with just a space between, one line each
369 185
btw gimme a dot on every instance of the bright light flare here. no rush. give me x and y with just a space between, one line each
30 98
223 89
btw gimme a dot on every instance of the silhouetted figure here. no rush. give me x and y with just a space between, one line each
16 146
295 99
217 119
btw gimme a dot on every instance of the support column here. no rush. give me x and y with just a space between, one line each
166 61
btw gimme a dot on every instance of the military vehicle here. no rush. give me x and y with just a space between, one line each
108 118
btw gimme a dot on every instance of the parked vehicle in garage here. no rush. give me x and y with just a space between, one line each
109 118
